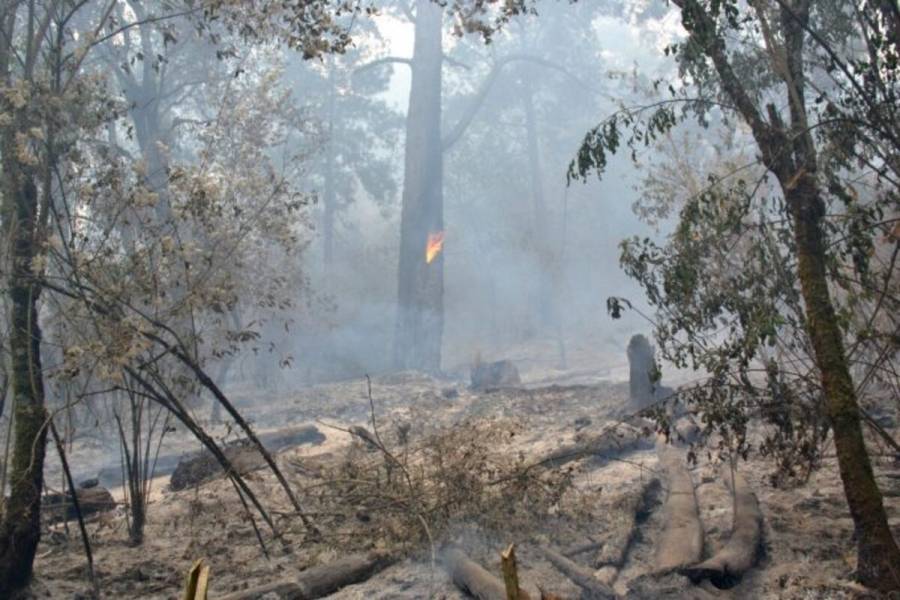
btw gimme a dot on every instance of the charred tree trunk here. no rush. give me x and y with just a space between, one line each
20 526
420 288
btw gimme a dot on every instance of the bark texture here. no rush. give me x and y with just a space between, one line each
878 556
726 567
789 151
320 581
681 543
420 286
20 526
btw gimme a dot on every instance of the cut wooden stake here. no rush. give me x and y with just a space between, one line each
202 583
475 579
510 572
197 581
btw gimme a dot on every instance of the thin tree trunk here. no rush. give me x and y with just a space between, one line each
792 158
137 475
328 198
878 557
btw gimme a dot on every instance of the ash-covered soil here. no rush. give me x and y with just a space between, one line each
451 442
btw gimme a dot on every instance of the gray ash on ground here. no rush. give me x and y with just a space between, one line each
809 552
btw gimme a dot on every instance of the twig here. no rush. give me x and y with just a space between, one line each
240 494
430 539
84 536
877 428
391 458
372 410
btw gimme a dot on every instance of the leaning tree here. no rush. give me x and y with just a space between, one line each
816 87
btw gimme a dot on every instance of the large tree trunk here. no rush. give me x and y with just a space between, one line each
877 552
543 251
420 289
20 526
549 261
144 97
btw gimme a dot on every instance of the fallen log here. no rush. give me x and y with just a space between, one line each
726 567
494 375
612 441
322 580
166 464
201 467
681 543
577 549
473 578
611 557
60 507
581 576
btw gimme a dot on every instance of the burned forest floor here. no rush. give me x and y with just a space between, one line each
453 467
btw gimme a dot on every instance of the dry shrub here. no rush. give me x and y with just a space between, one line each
400 495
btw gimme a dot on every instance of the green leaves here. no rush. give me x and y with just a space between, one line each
636 128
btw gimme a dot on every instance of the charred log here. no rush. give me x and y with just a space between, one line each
613 440
320 581
487 376
581 576
472 577
61 507
202 466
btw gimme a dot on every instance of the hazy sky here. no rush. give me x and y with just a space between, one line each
625 47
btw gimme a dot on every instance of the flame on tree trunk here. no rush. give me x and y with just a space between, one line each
434 246
420 288
420 285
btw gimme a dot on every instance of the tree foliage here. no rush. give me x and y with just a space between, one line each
761 287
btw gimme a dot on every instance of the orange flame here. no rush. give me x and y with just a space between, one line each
434 246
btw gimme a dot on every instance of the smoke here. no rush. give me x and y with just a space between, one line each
529 260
